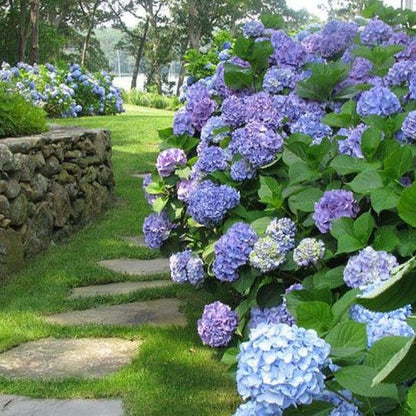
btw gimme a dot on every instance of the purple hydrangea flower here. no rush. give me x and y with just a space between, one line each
184 188
409 126
260 108
405 181
232 251
267 255
218 82
217 324
242 170
186 267
182 123
209 203
280 366
283 230
352 144
234 111
367 267
332 205
287 50
257 143
378 101
208 132
277 79
311 124
360 71
401 72
210 159
292 107
147 180
168 160
156 229
376 32
253 28
309 251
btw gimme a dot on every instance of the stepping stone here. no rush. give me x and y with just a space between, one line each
137 240
134 267
25 406
63 358
160 312
121 288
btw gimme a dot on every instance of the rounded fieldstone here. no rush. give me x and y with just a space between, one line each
4 205
18 210
13 189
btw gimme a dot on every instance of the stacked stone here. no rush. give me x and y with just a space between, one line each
50 185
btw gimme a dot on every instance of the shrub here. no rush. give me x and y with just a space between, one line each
154 100
297 191
19 117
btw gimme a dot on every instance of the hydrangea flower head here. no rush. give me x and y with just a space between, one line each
186 267
232 251
352 144
378 101
332 205
156 229
210 159
267 255
217 324
260 109
287 50
401 72
283 230
343 407
208 132
376 32
234 111
276 79
309 251
253 28
242 170
208 203
367 267
280 366
184 188
147 180
182 123
168 160
409 126
311 124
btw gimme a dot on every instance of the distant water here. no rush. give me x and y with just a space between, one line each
125 82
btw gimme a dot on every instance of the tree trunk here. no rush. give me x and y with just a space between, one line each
194 32
181 78
139 56
34 30
158 80
91 26
22 32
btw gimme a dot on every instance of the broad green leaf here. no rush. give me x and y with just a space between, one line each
342 306
359 379
301 172
366 182
272 21
260 225
330 279
407 242
270 191
246 280
296 297
314 315
237 77
230 356
407 205
363 227
385 239
383 350
370 141
411 399
160 203
337 120
383 199
398 162
351 91
315 409
305 200
270 295
343 230
243 47
344 165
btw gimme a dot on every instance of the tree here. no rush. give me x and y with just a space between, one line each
346 9
34 30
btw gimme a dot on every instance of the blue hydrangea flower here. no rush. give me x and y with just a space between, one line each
257 409
401 72
210 159
376 32
156 229
233 111
277 79
232 251
280 366
409 126
292 107
311 124
343 407
378 101
147 180
309 251
258 144
217 324
287 50
367 267
267 255
184 188
352 144
199 104
260 108
168 160
208 132
242 170
209 203
253 28
283 230
186 267
332 205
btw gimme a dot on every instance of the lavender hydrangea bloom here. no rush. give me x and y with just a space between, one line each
186 267
309 251
260 109
257 143
378 101
311 124
251 409
182 123
156 229
217 324
208 132
283 230
280 366
147 180
232 251
276 79
376 32
184 188
168 160
234 111
343 407
242 170
332 205
218 82
209 203
267 255
287 50
292 107
210 159
401 72
253 28
409 126
352 144
360 71
367 267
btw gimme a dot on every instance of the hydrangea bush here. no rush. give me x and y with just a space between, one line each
63 92
288 177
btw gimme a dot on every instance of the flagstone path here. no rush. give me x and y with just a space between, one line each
135 267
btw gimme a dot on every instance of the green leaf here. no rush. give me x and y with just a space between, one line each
272 21
260 225
383 350
347 339
359 378
411 399
342 306
407 242
305 200
363 227
246 280
366 182
160 203
315 409
270 192
270 295
337 120
343 230
344 165
401 366
370 141
331 279
243 47
384 199
398 162
237 77
314 315
385 239
261 53
301 172
407 205
230 356
351 91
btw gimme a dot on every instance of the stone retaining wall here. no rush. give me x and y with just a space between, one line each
50 185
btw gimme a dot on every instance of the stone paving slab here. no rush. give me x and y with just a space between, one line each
135 267
160 312
139 175
120 288
63 358
137 240
24 406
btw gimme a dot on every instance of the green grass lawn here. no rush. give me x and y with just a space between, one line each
172 374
